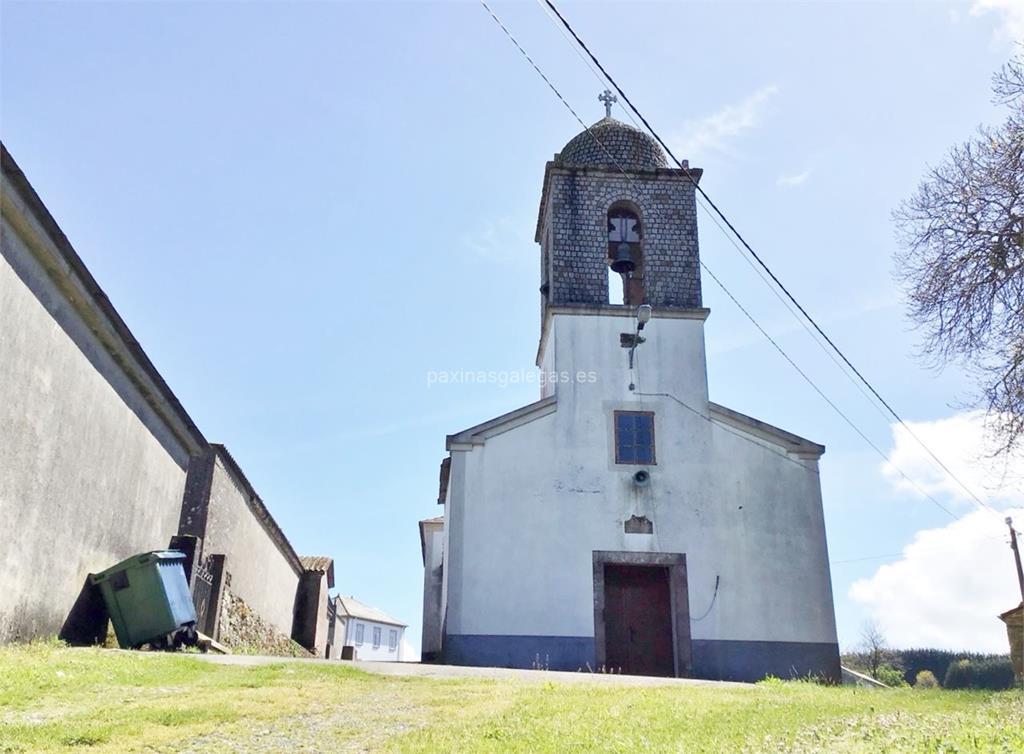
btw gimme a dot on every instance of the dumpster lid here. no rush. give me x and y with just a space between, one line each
137 561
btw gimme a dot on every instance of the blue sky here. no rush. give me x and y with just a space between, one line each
303 209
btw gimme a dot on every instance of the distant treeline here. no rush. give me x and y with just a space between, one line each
953 670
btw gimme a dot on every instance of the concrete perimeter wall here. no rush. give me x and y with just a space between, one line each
93 449
264 569
98 459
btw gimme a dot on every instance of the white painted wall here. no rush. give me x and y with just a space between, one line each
528 507
90 473
365 649
433 555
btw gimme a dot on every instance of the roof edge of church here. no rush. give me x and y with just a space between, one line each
512 419
800 446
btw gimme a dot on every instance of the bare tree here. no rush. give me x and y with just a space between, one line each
872 643
962 261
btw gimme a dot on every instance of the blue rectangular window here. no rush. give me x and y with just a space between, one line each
634 437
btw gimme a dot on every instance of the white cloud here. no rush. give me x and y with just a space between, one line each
950 582
792 180
964 446
714 133
948 588
1012 12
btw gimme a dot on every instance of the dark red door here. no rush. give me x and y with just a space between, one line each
638 620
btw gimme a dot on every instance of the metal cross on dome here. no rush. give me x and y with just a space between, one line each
608 99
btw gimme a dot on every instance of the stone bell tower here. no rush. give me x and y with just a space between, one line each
609 194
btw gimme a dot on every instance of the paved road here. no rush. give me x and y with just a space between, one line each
454 671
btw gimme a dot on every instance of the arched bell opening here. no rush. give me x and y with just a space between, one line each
625 251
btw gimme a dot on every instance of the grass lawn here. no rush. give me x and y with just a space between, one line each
56 699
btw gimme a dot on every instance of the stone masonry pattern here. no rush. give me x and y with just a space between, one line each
242 631
610 143
575 235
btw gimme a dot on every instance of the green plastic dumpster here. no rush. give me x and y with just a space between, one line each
149 601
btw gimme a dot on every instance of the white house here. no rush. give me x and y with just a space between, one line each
373 634
624 521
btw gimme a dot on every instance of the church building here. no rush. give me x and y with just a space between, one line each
624 522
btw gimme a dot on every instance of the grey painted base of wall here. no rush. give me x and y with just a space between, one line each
753 660
546 652
714 659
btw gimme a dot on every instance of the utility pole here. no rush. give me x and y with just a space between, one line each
1016 555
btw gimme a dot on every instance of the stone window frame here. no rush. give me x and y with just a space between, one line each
392 639
360 635
615 438
377 633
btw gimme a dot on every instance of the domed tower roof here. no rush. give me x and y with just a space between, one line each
612 144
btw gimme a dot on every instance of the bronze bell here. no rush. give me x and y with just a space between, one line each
623 261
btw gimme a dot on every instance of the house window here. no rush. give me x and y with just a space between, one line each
376 637
359 633
392 640
634 437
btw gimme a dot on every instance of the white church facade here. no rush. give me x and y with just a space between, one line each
624 522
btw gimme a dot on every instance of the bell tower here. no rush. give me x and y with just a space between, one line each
611 201
613 213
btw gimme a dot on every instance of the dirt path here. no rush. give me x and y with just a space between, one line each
454 671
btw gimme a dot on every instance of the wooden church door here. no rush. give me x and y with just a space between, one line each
638 620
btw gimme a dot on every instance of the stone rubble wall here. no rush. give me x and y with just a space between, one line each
243 631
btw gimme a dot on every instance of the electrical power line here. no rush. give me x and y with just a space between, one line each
916 547
781 287
714 277
725 233
710 420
